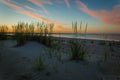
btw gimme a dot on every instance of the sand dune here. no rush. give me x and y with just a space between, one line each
18 63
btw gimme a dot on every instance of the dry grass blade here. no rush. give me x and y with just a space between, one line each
3 32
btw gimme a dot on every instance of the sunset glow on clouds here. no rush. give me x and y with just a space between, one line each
61 12
22 11
41 3
108 17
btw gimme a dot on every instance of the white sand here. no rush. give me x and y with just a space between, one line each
17 63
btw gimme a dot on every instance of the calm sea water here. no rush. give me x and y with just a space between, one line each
108 37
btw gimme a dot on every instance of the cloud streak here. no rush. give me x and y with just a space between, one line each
67 3
41 3
20 10
29 8
108 17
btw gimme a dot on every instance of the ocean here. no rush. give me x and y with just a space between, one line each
107 37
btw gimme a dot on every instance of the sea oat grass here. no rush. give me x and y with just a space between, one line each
19 33
39 65
77 50
3 32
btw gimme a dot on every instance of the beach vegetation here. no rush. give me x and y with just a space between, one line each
24 32
77 50
3 32
40 27
49 52
45 33
19 33
39 65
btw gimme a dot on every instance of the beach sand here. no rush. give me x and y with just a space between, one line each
18 63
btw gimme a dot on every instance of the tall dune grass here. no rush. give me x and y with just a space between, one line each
86 30
40 31
19 30
45 32
75 28
3 36
40 64
25 32
3 32
77 50
50 39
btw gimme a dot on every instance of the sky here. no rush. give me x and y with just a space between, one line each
102 16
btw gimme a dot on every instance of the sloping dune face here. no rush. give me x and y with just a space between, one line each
20 62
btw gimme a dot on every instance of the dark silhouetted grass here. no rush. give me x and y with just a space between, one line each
3 32
25 32
19 30
45 32
39 64
77 50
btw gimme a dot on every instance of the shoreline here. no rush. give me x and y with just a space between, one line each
88 39
85 38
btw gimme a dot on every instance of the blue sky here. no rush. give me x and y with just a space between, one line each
102 16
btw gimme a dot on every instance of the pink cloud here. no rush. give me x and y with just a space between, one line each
67 3
108 17
20 10
30 8
41 3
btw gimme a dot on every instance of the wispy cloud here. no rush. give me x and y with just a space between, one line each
41 3
67 3
108 17
20 10
30 8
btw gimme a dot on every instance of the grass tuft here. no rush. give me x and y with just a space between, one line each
3 32
19 33
77 50
45 32
39 64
